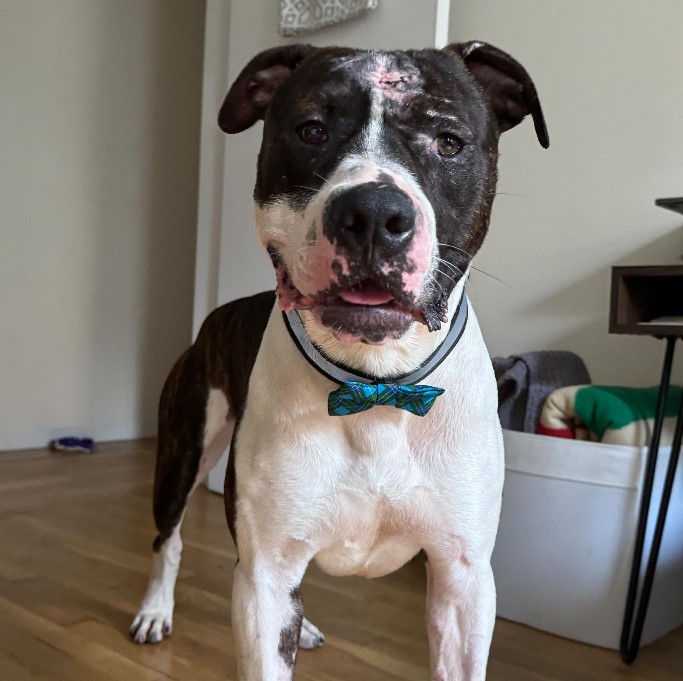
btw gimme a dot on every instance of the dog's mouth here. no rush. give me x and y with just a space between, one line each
364 311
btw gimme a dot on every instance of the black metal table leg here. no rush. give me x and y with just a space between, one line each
630 635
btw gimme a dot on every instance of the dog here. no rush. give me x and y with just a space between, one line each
374 188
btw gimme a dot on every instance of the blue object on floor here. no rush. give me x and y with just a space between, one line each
73 444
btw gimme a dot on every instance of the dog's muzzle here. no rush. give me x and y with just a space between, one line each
365 270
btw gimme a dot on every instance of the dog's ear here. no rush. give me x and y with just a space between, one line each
509 87
249 96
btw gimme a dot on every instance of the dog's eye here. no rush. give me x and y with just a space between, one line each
312 132
447 144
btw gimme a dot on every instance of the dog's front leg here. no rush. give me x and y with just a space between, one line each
267 612
461 613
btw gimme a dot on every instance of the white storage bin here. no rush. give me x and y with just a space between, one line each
563 555
215 481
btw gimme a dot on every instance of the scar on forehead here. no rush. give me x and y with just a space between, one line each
392 80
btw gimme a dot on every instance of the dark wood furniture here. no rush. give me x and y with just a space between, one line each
643 294
641 297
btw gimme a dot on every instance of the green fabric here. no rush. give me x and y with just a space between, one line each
602 408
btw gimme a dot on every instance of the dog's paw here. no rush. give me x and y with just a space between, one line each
151 626
310 637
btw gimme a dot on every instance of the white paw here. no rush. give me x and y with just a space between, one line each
310 637
150 626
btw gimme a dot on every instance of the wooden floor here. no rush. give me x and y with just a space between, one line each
75 538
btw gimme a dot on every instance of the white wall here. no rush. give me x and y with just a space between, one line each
99 124
610 77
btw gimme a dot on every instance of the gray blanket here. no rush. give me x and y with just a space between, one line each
524 381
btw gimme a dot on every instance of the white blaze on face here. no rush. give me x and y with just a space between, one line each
311 259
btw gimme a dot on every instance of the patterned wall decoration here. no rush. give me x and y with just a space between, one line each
302 16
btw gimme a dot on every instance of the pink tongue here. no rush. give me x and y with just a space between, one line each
366 294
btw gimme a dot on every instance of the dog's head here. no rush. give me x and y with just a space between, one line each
376 174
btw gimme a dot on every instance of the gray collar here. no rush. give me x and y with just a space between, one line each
342 374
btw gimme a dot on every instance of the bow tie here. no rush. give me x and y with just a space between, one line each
353 397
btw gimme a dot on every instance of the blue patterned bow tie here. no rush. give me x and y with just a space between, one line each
353 397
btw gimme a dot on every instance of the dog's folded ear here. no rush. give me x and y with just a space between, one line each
249 96
509 87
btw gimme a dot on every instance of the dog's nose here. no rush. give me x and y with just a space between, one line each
371 217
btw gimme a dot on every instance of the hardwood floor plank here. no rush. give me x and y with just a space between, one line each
32 659
94 656
177 660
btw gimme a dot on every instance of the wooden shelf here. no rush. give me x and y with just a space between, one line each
642 294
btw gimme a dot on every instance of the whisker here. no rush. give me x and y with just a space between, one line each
455 268
321 177
492 277
472 266
432 281
436 269
438 243
304 248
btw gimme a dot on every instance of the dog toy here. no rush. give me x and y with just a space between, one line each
73 444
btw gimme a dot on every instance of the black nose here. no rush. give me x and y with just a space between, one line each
371 216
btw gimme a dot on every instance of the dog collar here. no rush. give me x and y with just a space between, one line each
341 374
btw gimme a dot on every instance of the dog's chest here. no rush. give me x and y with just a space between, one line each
378 504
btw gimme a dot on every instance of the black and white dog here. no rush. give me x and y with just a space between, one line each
375 182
